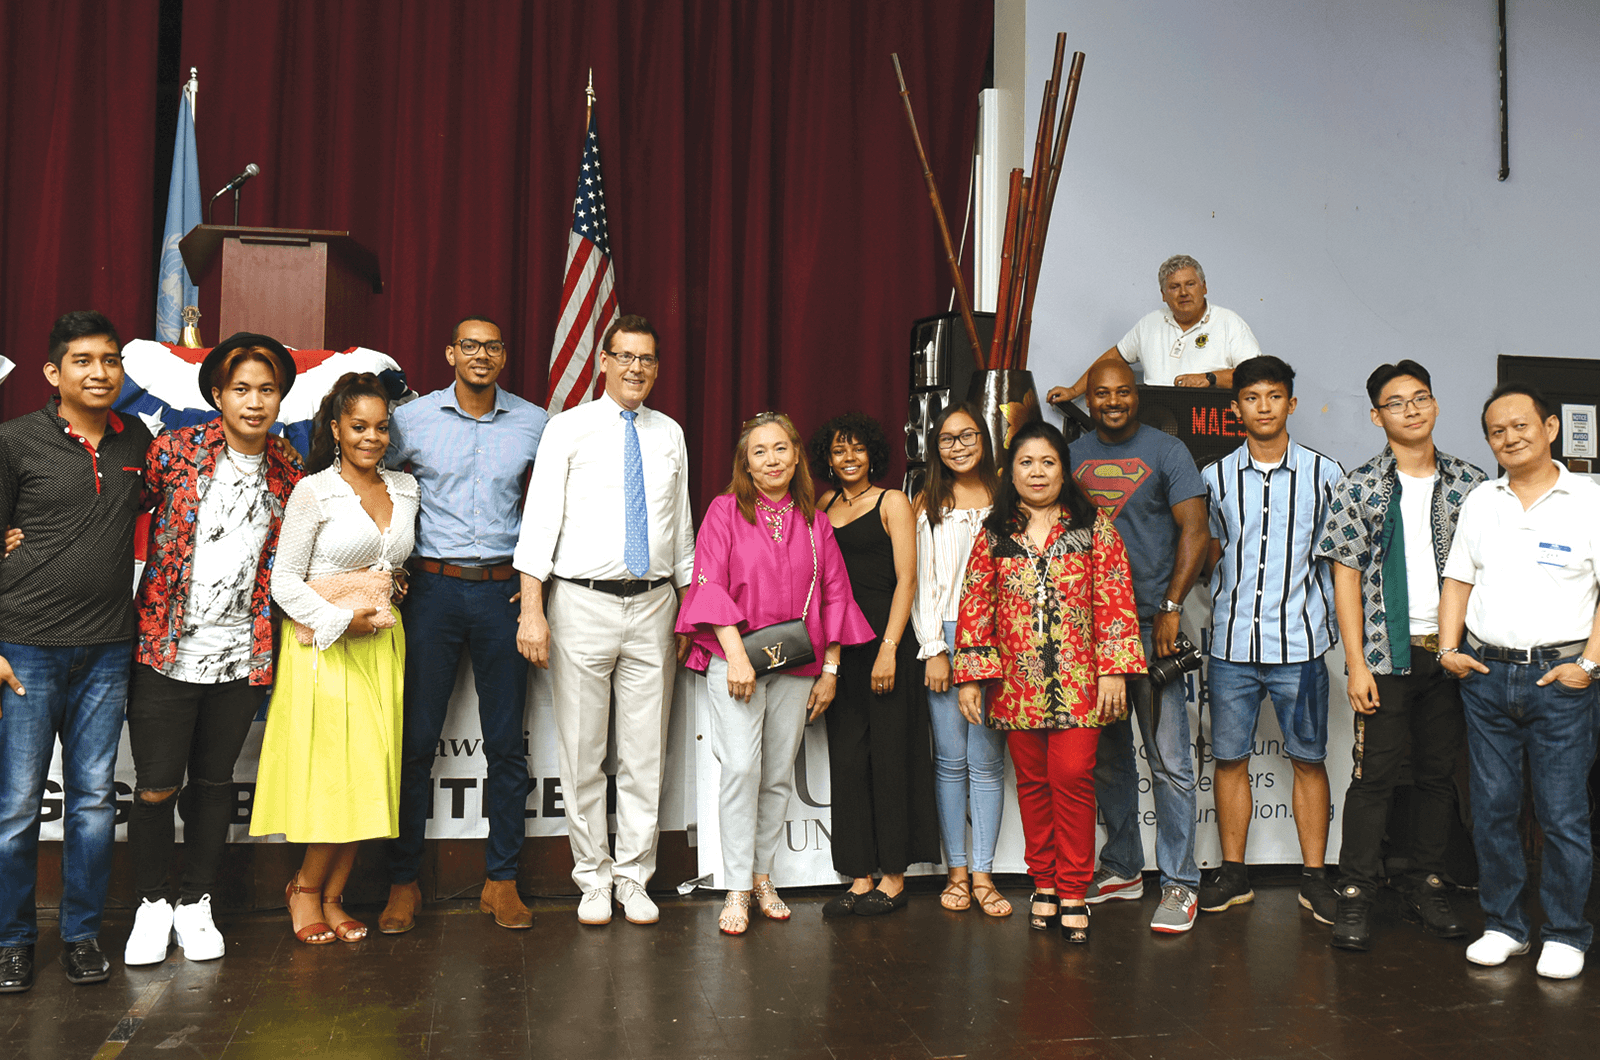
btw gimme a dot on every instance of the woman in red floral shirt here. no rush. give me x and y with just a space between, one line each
1047 615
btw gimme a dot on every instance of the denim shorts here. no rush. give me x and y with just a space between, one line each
1299 693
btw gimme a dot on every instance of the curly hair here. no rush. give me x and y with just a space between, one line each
855 427
350 388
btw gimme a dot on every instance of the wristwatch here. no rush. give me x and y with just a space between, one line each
1170 608
1589 667
1211 379
830 668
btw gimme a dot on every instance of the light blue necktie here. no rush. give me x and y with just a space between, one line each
636 546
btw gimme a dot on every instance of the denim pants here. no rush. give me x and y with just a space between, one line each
442 617
78 694
1507 714
1164 727
968 760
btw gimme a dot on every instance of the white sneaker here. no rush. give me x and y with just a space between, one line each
1559 961
152 934
1493 949
595 908
636 904
197 933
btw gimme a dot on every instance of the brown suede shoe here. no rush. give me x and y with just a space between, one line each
500 899
400 915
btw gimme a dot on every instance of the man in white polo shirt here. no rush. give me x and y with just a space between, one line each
1522 580
1189 343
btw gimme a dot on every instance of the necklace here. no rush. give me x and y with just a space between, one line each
774 516
852 500
259 473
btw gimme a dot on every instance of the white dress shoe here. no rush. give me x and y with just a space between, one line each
197 933
1559 961
152 934
1494 947
595 908
636 905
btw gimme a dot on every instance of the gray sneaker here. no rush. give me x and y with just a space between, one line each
1108 886
1175 914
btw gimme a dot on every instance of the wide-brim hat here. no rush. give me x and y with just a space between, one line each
242 340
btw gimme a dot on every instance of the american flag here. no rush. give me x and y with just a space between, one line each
588 298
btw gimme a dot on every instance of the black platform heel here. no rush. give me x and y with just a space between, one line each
1076 935
1042 922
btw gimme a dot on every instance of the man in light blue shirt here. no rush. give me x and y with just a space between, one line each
470 446
1272 621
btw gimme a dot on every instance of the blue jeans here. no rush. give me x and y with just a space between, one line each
966 757
1507 714
1164 727
79 694
442 617
1299 694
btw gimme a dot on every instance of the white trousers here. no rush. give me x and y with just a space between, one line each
755 744
600 643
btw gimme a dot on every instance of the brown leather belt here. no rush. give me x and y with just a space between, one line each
504 572
1427 642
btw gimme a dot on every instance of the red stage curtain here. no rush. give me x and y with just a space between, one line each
766 207
76 164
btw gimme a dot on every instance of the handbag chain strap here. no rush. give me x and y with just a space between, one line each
806 610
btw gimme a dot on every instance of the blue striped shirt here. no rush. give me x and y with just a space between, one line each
1271 599
470 472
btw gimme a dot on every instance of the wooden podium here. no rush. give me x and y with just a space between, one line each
308 289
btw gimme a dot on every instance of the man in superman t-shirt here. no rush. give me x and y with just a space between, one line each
1149 481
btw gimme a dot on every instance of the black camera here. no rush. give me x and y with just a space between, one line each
1185 659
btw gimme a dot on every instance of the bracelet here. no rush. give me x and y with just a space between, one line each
1442 652
831 668
891 642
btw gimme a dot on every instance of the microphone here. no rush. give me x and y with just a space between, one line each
249 171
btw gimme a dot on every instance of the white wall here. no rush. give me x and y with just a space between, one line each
1332 164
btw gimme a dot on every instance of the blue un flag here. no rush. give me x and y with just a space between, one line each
173 288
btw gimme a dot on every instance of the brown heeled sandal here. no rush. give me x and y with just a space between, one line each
308 933
348 930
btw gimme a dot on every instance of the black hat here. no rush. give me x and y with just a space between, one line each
241 340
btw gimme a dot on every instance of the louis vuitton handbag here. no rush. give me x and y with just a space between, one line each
785 644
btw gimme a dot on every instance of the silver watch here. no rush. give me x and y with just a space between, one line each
1589 667
1170 608
830 668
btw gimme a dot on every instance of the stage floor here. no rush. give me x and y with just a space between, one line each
1256 981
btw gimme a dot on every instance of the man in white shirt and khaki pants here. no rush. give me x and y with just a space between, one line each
1523 582
606 549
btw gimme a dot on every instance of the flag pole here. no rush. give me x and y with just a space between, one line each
588 106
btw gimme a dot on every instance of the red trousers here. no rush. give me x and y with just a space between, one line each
1055 797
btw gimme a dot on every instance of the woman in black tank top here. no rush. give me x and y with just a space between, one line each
881 770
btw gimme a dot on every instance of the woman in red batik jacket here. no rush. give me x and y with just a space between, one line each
1047 614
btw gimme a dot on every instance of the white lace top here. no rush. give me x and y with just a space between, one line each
326 531
942 553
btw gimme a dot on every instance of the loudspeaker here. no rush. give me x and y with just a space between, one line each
942 365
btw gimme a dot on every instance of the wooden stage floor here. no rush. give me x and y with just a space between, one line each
1256 981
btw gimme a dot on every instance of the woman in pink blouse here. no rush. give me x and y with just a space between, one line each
764 555
1047 617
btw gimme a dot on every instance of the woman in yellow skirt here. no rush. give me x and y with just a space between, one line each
330 757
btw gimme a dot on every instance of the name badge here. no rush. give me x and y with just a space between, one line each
1554 555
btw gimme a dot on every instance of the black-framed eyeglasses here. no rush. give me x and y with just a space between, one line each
472 346
646 360
966 438
1422 403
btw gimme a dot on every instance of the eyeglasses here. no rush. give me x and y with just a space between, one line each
646 360
966 438
1422 403
472 346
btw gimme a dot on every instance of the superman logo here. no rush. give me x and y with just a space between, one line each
1109 483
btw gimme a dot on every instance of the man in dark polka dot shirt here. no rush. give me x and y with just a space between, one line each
71 478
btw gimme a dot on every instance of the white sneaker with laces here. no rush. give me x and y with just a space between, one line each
197 933
152 934
1559 961
636 904
1494 948
595 907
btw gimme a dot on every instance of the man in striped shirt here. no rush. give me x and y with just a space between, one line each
1273 621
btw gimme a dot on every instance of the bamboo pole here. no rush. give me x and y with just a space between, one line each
938 210
1041 168
1069 105
997 345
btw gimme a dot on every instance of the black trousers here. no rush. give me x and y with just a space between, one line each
176 727
880 767
1419 713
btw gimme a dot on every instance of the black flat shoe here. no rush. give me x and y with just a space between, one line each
876 903
85 963
16 969
1038 921
1076 935
842 904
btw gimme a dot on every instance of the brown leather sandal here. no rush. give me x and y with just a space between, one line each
348 930
309 933
991 901
957 895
